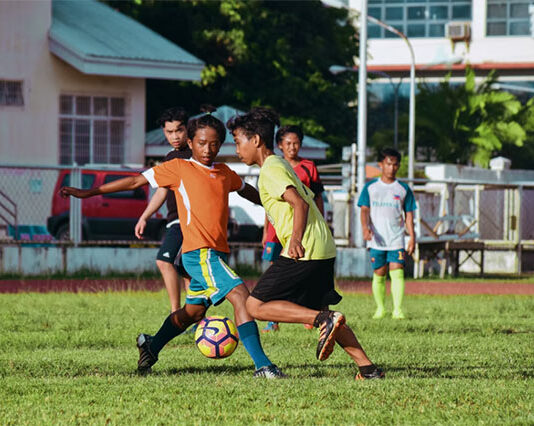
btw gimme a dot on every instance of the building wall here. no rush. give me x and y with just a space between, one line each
29 134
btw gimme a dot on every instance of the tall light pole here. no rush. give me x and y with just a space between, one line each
411 125
362 118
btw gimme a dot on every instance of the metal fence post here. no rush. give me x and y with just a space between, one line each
75 213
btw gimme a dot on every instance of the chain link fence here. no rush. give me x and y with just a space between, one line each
482 211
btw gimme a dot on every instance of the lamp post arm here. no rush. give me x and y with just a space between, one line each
411 127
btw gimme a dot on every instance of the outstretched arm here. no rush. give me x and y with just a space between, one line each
125 184
300 219
250 193
155 203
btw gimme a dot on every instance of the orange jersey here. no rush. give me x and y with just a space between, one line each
202 199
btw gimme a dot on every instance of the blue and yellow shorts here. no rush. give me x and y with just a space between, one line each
211 278
380 257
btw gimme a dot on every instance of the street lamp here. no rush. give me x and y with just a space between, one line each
411 125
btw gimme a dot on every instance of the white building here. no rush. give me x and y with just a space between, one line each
72 82
448 35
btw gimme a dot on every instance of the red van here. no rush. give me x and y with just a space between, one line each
104 217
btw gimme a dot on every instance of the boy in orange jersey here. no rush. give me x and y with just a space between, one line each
201 188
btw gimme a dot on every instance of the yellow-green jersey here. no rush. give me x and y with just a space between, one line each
276 175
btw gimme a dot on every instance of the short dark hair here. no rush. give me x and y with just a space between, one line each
206 120
258 121
388 152
290 128
173 114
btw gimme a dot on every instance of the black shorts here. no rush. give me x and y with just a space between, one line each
170 248
308 283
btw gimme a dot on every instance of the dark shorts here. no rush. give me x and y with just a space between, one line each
308 283
170 248
380 258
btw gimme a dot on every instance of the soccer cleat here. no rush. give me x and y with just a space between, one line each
270 372
308 326
397 315
379 314
146 358
327 337
377 374
271 326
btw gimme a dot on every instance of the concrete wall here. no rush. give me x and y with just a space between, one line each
29 134
30 260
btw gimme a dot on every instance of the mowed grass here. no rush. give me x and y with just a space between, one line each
71 358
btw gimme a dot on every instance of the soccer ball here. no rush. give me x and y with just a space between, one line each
216 337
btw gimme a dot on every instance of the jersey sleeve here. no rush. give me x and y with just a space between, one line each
277 180
315 180
236 182
364 200
164 175
409 200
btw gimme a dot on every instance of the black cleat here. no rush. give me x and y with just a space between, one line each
270 372
146 358
327 337
376 374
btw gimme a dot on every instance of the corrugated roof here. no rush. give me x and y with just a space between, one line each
96 39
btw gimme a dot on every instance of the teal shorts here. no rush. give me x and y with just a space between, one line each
381 257
211 278
272 251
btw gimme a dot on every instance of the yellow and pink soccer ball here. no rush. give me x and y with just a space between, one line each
216 337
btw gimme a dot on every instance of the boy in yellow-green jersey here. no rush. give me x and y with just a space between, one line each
299 285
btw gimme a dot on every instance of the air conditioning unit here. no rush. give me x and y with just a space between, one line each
458 31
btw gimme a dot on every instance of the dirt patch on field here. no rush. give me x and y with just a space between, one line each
412 287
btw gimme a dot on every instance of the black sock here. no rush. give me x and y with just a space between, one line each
165 334
321 316
367 369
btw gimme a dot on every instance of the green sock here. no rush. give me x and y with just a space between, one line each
379 293
397 289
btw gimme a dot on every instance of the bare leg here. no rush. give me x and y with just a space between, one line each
280 311
238 297
172 283
346 338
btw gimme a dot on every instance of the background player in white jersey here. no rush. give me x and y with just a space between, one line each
387 207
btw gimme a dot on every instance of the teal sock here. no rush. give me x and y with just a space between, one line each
249 335
165 334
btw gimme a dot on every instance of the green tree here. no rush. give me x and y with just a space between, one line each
468 123
273 53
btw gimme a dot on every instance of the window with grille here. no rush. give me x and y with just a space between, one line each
91 129
417 18
508 18
11 93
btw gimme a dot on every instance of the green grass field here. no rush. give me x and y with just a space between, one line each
71 358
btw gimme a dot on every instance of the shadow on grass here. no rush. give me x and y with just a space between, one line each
459 372
306 370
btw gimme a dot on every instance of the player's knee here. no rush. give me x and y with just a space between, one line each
252 306
164 266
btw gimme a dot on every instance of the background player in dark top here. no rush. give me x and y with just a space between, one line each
173 121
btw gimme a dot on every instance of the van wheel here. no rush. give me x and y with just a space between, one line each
63 233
